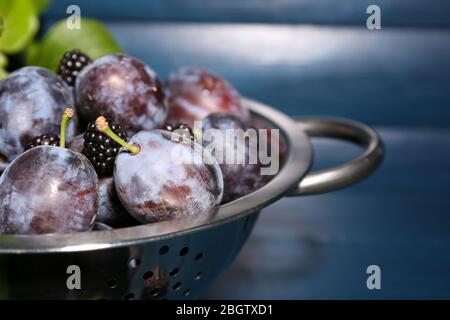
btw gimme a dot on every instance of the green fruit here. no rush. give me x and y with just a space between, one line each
92 38
18 24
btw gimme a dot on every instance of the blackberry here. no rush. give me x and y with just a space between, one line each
181 129
44 140
167 127
100 149
71 64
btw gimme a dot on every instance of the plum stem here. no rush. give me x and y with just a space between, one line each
67 115
102 125
196 133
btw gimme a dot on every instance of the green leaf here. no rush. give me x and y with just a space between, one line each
40 5
19 24
92 38
3 60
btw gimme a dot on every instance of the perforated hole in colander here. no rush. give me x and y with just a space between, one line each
128 296
112 283
147 275
187 292
164 250
184 251
173 272
198 275
133 263
199 256
177 286
155 292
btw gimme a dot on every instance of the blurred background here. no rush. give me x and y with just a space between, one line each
317 57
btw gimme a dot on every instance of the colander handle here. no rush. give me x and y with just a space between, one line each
349 173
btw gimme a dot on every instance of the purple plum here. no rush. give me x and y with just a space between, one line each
48 190
123 89
32 100
111 211
193 93
162 182
240 179
77 143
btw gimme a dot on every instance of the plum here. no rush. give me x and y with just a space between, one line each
48 190
123 89
242 178
111 211
159 178
192 94
153 187
77 143
32 100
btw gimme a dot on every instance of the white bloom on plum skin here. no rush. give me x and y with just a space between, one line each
48 190
123 89
32 101
154 188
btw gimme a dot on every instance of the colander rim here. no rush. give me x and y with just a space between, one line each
297 163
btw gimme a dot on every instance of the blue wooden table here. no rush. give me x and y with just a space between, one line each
317 58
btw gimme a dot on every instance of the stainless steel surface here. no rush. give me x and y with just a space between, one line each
164 260
349 173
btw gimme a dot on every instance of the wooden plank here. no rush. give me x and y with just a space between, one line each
396 77
432 13
318 247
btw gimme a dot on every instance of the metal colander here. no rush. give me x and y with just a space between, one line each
178 261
